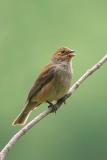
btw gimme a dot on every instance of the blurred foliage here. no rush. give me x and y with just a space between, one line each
30 31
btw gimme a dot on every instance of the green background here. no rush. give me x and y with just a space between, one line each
30 32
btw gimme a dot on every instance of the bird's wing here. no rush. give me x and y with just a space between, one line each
45 77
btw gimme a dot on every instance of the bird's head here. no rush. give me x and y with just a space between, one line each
63 54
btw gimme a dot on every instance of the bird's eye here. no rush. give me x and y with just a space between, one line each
63 51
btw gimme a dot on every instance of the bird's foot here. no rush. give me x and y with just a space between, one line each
62 100
54 108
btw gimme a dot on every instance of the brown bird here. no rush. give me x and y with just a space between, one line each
52 84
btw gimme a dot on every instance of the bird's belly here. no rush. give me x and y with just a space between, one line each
55 89
62 86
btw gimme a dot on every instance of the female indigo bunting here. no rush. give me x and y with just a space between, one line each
52 84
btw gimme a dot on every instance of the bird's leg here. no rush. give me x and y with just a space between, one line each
54 108
62 100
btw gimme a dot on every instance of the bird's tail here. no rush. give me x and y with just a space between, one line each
23 116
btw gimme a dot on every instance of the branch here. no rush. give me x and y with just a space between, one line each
26 128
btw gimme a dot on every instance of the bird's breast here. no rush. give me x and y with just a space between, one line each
61 83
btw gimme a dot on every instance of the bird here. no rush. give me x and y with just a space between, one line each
52 84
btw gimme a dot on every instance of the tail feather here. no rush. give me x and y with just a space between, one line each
23 116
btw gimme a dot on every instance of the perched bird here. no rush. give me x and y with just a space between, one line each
51 85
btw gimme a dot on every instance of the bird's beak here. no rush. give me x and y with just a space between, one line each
71 53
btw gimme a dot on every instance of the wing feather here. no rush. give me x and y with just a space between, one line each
45 77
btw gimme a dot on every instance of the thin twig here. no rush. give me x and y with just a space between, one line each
26 128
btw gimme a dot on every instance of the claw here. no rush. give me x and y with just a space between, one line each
54 108
62 100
